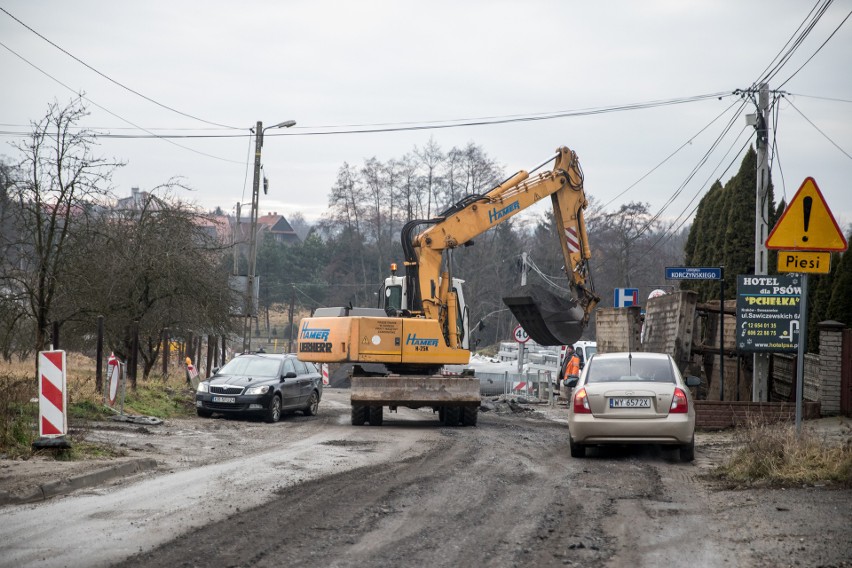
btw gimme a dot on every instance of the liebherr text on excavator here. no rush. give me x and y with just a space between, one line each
424 322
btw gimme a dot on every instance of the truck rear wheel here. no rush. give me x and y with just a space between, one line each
452 415
375 415
469 415
359 415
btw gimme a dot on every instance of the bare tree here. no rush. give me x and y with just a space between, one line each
62 182
346 200
411 188
431 157
155 265
622 237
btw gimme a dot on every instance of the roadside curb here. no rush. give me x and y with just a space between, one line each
67 485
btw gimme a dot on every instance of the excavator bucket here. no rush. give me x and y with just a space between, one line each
547 318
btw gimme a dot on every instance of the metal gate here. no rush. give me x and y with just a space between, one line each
846 373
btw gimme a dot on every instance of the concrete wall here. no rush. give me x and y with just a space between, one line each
830 367
668 325
822 371
618 329
675 324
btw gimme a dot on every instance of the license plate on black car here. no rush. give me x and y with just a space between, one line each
629 402
231 399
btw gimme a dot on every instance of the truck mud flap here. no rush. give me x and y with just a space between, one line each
414 392
547 318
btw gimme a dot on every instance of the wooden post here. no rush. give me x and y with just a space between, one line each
99 356
211 347
134 353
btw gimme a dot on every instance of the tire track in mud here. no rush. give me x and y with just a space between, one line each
478 497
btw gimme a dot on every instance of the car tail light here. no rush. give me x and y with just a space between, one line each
581 402
679 402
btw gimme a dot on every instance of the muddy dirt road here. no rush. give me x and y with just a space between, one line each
412 493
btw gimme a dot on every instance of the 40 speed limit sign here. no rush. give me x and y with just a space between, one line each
520 335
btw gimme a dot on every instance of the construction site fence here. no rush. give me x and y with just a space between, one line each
539 384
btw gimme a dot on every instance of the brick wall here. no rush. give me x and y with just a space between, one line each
718 415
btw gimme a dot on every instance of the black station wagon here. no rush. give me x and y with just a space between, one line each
263 384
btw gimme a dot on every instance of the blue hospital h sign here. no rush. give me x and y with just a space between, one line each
625 297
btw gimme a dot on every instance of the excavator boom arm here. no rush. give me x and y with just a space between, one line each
477 214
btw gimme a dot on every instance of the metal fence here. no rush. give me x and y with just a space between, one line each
534 383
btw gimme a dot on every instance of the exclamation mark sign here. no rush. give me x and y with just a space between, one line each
807 202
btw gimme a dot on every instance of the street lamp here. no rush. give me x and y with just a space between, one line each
252 260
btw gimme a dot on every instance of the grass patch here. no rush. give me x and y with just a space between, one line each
773 455
17 414
159 398
87 410
83 450
156 396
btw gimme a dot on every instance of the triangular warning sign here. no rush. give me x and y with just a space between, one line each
807 224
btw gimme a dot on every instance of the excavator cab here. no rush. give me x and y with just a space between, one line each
395 300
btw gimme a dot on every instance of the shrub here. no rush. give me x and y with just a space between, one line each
18 415
774 454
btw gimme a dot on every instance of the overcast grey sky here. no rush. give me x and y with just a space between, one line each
336 63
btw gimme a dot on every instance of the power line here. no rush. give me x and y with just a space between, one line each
111 80
694 171
835 144
452 123
797 39
820 98
669 233
670 156
776 154
818 49
82 96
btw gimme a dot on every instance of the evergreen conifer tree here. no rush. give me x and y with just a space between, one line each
840 305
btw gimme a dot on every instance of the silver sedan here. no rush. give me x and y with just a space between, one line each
632 398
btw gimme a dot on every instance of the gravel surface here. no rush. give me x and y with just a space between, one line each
315 491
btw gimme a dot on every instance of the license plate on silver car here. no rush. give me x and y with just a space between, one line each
231 399
629 402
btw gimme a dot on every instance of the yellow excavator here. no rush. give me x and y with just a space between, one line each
399 349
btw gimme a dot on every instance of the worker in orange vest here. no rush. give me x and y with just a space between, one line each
572 365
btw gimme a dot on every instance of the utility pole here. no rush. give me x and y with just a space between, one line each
235 239
249 304
290 322
521 344
760 377
252 258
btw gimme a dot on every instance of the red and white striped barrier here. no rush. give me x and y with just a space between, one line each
324 374
114 374
52 418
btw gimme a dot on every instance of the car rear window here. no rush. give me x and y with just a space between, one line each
630 369
252 366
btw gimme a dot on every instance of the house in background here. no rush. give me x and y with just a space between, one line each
277 226
139 200
226 229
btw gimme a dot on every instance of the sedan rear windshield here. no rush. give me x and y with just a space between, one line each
251 366
630 369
